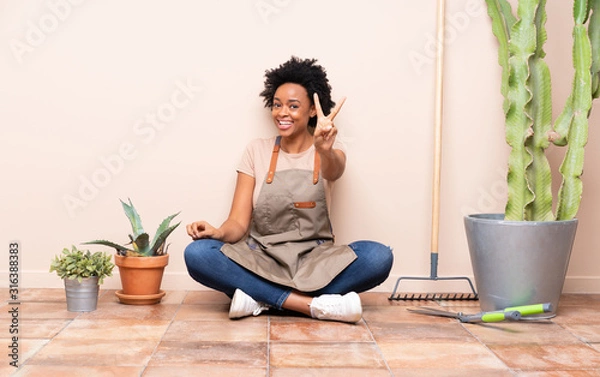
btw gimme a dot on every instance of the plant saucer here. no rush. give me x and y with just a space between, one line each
140 299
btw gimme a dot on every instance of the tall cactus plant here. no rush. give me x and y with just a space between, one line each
527 92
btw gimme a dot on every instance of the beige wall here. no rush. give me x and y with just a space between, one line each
155 100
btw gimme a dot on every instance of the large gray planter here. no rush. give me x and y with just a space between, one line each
82 297
519 262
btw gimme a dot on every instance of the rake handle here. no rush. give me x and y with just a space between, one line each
437 161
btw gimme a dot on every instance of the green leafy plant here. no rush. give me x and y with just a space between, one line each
141 246
79 264
526 88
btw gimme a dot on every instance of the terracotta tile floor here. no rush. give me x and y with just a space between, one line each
189 334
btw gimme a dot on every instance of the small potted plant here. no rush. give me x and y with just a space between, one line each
142 261
83 272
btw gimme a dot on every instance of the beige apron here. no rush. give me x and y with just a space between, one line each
290 240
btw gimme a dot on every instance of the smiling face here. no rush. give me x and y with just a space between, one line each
292 108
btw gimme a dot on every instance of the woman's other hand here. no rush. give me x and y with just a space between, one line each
201 229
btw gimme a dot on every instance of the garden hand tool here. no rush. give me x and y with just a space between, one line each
509 314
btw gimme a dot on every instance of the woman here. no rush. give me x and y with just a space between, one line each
276 249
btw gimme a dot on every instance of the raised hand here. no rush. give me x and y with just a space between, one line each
325 130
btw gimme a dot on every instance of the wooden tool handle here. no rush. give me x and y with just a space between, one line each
439 95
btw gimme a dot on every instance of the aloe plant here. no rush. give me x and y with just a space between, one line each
140 244
526 87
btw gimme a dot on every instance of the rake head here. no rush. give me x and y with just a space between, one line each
434 296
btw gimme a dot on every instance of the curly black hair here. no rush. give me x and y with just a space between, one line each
305 72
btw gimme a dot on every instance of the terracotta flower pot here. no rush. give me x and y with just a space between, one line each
141 278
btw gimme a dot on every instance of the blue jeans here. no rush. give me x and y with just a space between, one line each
209 266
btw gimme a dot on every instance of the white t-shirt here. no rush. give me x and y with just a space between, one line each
257 158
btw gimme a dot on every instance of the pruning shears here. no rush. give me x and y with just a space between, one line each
514 313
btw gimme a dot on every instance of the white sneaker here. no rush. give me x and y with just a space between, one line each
243 305
346 308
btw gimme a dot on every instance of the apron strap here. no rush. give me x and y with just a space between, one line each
273 164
